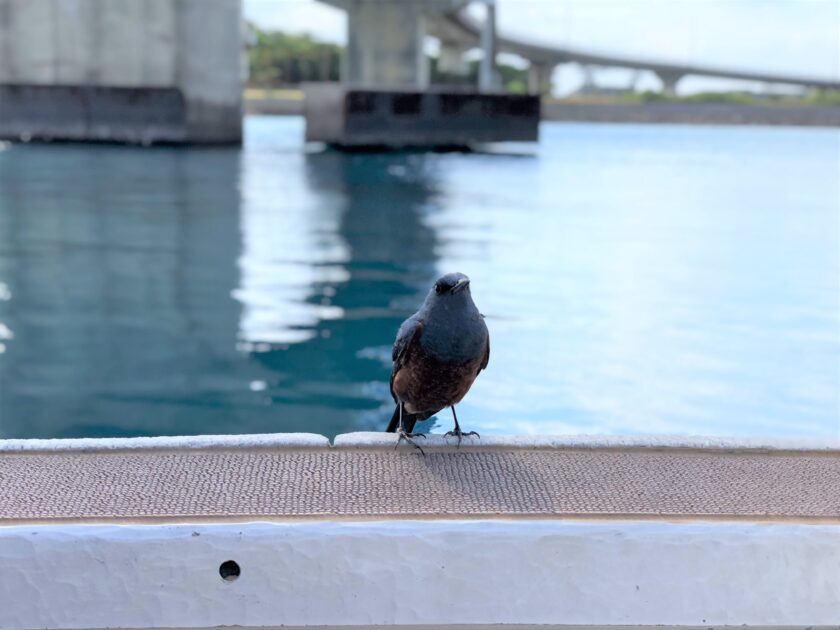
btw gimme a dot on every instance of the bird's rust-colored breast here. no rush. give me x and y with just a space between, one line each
427 384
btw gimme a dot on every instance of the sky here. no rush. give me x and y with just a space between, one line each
789 36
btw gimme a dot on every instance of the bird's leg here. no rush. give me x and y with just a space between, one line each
402 435
457 431
422 435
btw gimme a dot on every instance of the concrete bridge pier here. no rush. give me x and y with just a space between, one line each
633 85
539 78
452 59
385 41
488 79
121 71
669 82
384 101
588 79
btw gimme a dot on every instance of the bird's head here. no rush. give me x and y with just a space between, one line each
451 284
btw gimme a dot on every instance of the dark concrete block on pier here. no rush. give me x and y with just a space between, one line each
92 113
134 115
394 118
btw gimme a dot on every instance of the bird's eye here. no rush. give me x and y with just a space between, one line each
438 288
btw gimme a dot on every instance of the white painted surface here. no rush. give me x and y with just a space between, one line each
415 572
380 439
256 440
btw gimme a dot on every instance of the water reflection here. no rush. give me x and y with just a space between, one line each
322 301
205 291
119 264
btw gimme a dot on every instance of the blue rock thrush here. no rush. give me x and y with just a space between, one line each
438 354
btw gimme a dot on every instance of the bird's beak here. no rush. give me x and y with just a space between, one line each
462 284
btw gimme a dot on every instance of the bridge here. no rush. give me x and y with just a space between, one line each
458 31
386 97
382 52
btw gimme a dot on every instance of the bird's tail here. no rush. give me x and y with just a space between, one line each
409 420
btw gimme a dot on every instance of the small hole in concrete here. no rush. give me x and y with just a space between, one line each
229 570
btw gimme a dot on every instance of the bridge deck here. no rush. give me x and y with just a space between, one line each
362 481
461 27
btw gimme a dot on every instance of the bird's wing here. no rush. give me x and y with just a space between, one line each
486 358
407 336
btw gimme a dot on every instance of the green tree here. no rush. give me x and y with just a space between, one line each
279 59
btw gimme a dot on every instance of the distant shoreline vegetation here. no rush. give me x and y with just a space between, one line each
280 62
819 98
278 59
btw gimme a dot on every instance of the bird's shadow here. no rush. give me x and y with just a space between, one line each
482 481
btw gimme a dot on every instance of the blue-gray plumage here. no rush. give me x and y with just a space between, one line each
438 353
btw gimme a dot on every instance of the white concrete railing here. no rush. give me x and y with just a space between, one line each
435 571
419 573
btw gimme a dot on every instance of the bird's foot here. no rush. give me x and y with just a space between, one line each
460 434
402 435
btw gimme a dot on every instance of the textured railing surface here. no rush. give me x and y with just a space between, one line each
362 475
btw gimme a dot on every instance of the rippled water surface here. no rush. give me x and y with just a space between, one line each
635 279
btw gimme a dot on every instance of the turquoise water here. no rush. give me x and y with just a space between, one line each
635 279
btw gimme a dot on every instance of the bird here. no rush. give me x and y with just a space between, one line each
438 353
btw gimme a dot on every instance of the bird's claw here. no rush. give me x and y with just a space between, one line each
402 435
461 435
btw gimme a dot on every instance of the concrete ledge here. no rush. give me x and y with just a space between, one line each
381 440
374 439
486 573
189 442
